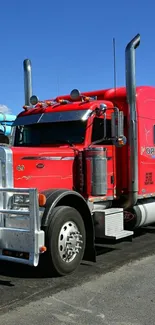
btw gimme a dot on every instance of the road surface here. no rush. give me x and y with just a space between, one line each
117 290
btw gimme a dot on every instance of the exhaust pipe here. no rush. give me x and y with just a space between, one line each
130 63
27 81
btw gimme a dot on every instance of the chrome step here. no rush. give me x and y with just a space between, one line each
109 224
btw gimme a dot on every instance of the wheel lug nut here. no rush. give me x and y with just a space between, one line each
79 241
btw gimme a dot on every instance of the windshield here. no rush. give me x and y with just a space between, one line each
66 132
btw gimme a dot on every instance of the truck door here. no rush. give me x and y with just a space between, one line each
101 129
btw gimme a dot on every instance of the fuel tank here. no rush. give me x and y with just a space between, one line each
141 215
96 171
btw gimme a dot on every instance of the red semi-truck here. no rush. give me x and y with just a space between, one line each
80 167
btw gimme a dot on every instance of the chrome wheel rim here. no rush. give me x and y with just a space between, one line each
69 242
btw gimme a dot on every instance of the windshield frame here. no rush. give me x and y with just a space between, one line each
54 117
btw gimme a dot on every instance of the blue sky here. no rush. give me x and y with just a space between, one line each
70 45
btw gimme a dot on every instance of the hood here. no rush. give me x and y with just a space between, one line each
43 168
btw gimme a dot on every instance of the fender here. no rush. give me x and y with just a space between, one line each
57 197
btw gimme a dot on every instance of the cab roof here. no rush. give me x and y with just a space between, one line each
59 107
106 96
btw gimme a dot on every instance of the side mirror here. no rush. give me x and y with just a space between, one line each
117 128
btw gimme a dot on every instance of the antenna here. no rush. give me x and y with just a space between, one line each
114 57
58 86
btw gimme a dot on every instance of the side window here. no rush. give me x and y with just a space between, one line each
98 131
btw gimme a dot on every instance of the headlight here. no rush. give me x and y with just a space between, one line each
21 199
18 200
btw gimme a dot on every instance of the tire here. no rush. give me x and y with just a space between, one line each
63 221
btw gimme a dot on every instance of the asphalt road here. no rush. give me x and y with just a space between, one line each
117 290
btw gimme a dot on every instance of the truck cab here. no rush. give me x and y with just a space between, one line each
66 129
75 172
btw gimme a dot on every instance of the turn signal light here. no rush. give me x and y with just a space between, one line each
42 200
43 249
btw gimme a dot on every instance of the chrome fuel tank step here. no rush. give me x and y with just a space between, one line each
109 223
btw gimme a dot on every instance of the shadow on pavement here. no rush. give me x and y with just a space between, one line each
6 283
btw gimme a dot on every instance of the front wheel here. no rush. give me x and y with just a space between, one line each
65 240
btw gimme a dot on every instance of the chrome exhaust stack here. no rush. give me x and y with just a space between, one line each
27 81
130 65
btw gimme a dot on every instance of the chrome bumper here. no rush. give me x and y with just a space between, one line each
20 236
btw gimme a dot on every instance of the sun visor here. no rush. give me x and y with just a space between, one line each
27 119
50 117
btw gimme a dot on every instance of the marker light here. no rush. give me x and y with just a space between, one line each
26 107
34 100
75 94
43 249
49 103
87 99
40 104
63 101
120 142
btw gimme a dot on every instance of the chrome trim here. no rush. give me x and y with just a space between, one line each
99 199
12 136
146 196
6 167
47 158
